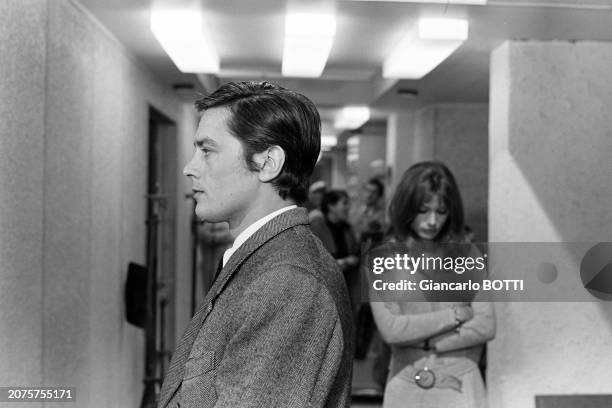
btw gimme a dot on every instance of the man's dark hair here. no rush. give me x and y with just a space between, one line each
331 198
263 115
380 187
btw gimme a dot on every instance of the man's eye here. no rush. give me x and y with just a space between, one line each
205 150
442 211
422 210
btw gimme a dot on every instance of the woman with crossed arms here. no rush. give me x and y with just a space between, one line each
435 346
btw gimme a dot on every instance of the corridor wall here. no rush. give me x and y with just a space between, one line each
73 174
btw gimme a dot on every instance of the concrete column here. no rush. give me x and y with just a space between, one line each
339 170
371 154
551 141
369 151
424 141
404 147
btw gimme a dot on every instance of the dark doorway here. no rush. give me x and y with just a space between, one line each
161 251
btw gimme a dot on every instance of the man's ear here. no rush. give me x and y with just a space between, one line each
271 163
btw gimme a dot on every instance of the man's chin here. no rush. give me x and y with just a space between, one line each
207 216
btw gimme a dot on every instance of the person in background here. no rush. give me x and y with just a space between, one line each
318 225
371 225
370 220
343 246
315 195
435 346
335 208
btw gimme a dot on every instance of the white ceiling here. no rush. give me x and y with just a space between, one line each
249 39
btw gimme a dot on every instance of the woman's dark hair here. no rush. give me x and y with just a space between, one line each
418 185
265 115
331 198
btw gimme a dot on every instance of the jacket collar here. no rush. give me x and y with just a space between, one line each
269 230
251 229
280 223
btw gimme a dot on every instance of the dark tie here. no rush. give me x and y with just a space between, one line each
219 268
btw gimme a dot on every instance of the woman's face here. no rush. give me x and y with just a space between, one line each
340 209
430 220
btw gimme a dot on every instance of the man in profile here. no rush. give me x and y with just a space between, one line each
275 328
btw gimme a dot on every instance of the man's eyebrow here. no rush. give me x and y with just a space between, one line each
205 141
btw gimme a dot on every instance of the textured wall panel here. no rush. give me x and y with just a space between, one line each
462 142
401 129
551 140
134 159
68 158
22 103
561 132
106 175
424 135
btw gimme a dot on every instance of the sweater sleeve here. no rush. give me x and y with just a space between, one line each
479 329
406 329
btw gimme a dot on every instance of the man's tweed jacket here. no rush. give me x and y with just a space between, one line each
273 331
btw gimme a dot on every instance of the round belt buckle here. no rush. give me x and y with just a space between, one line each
425 378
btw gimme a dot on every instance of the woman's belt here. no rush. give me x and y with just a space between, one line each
431 371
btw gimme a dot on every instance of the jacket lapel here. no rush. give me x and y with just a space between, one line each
280 223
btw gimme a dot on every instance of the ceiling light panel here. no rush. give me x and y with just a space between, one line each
442 29
469 2
308 41
329 141
182 34
424 47
352 117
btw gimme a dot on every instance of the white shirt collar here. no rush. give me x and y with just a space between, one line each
250 230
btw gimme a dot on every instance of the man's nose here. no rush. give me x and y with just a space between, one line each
188 169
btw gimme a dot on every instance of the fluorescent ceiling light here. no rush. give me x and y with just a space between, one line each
352 117
308 40
475 2
181 33
443 29
424 47
328 141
